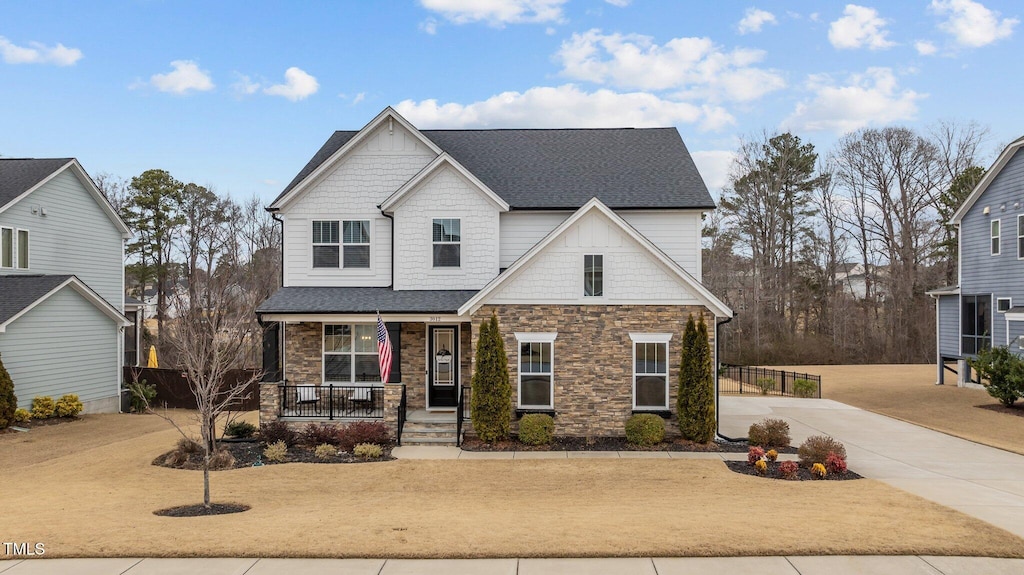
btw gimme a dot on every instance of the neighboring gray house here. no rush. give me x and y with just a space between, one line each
61 283
987 307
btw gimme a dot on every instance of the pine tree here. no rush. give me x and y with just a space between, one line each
695 403
8 401
491 403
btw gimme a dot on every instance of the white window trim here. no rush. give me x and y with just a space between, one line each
1020 236
368 244
604 290
17 249
540 337
341 245
441 242
14 254
1008 307
662 338
313 245
352 354
998 242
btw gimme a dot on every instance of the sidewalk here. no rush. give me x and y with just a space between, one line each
442 452
833 565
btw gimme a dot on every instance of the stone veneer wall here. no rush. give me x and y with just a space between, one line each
593 356
414 363
303 353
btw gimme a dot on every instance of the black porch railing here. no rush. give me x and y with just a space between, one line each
402 405
460 412
746 380
332 401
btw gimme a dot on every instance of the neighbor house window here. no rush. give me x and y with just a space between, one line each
536 370
995 237
6 248
975 323
447 236
23 249
1003 304
1020 237
650 370
326 251
593 275
350 354
356 243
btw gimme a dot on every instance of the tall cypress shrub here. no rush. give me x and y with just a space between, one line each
8 401
696 399
491 403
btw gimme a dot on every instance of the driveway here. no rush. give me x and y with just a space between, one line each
981 481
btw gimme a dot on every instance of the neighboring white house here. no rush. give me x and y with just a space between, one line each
61 283
586 243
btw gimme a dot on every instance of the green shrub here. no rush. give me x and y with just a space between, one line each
240 429
368 451
817 448
8 401
142 395
645 429
536 429
69 406
276 451
278 431
491 400
696 400
765 384
1002 372
769 433
22 415
325 451
805 388
43 407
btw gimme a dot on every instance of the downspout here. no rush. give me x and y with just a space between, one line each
273 214
392 218
718 346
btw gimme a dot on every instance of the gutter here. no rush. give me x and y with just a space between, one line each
718 345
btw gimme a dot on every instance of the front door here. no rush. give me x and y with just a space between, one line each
443 366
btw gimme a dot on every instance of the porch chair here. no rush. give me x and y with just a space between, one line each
306 395
361 399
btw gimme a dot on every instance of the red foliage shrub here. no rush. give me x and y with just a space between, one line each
362 432
788 469
754 454
278 431
318 434
835 464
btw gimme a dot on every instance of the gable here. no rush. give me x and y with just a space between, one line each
1005 162
447 173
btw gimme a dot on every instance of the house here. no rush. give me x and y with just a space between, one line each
584 242
986 308
61 283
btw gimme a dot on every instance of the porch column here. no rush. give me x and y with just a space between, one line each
963 370
270 401
392 399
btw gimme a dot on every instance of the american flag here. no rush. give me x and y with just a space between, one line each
383 350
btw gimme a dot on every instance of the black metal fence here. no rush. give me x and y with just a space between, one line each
746 380
402 407
460 412
332 401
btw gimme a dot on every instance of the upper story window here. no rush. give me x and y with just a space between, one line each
593 275
995 237
341 244
1020 237
6 248
23 249
447 237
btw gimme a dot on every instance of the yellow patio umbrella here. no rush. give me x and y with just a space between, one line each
152 357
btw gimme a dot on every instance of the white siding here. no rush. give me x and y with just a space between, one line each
352 191
446 194
676 232
631 274
63 345
74 237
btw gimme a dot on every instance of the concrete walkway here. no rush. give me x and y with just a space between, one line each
836 565
446 452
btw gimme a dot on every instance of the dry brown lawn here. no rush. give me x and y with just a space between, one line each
88 489
908 392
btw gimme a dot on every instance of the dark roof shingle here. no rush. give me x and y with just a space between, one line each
290 300
17 292
18 175
564 168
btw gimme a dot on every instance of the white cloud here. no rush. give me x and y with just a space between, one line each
619 3
358 98
298 85
871 98
497 12
925 48
185 78
429 26
244 86
814 17
695 66
714 166
564 107
59 55
972 24
754 19
859 26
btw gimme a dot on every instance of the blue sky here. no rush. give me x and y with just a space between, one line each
239 95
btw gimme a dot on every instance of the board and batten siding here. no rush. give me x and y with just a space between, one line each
64 345
352 190
74 237
675 232
981 273
949 325
631 275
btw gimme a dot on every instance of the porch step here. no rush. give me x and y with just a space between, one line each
429 433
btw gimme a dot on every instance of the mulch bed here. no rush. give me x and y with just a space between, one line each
248 452
199 510
610 444
1000 408
773 472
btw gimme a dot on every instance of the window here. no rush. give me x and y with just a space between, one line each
975 323
650 370
325 244
536 370
1020 237
6 248
995 237
350 354
593 275
356 240
23 249
1003 304
447 242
